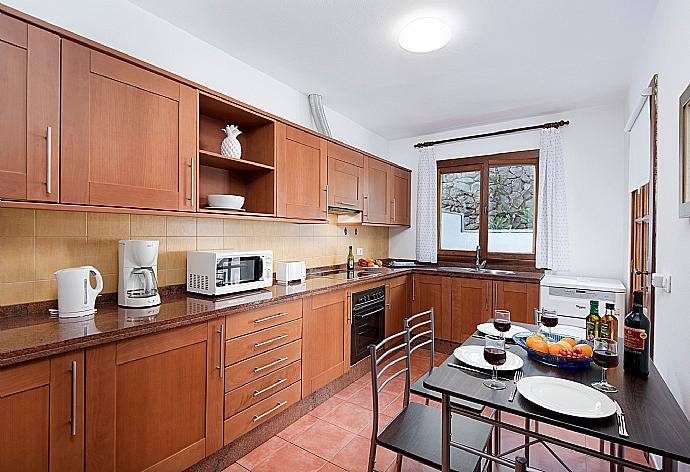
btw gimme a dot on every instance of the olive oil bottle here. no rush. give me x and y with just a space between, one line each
593 321
608 327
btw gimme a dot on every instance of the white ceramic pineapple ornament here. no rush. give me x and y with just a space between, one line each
231 146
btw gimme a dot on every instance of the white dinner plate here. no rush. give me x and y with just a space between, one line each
474 356
571 331
566 397
488 328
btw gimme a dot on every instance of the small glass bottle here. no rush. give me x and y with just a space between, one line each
593 321
609 324
350 260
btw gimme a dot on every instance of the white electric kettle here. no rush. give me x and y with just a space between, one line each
76 297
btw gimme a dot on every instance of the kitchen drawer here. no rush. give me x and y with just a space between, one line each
260 389
244 347
251 369
254 320
238 424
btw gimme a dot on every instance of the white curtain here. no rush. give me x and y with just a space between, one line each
553 249
426 206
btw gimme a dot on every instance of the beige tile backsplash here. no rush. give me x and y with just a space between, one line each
36 243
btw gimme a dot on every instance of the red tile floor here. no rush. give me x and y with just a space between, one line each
334 437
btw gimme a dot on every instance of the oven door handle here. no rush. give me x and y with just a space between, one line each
356 307
366 315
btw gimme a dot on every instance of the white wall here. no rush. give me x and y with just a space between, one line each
597 181
666 53
132 30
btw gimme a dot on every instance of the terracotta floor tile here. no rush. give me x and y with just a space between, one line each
289 458
323 439
263 452
363 398
323 410
328 467
354 457
395 407
298 427
349 390
383 422
235 468
350 417
409 465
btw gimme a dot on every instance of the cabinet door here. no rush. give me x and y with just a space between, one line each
30 111
519 298
400 203
433 291
42 414
128 134
397 304
324 347
378 194
471 304
302 173
345 177
155 401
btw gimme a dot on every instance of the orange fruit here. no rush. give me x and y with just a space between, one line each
565 344
586 349
533 339
556 348
570 341
540 346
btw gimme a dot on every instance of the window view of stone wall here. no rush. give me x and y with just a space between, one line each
511 197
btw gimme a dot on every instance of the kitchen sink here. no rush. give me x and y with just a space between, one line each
473 270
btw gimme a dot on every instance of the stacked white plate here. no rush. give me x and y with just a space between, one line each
566 397
488 328
473 356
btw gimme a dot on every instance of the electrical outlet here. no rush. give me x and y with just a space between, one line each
360 251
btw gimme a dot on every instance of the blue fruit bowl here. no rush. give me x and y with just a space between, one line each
549 359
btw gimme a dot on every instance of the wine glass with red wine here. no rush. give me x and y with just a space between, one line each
502 321
605 355
494 354
549 318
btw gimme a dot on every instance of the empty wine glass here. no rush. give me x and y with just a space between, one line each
605 355
502 322
549 318
494 354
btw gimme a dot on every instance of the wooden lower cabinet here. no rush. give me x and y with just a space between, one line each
42 415
433 291
326 339
155 402
518 297
472 301
397 304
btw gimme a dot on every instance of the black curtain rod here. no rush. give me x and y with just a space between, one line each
553 124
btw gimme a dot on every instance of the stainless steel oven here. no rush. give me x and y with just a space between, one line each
368 321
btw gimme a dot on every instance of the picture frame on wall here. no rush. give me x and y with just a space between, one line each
684 157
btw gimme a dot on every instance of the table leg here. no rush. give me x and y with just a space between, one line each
445 433
669 465
527 425
497 434
616 450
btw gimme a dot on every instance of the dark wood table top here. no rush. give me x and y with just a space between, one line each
655 421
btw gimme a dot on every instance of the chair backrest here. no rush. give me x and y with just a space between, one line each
385 360
421 332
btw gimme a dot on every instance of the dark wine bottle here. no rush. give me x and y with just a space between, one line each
636 344
350 260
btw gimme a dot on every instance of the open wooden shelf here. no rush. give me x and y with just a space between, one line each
233 212
213 159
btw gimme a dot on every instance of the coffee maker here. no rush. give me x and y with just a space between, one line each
138 283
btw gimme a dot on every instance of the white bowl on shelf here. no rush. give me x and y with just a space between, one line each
228 202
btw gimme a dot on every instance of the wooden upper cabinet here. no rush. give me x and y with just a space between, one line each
400 200
517 297
378 193
41 415
29 112
128 134
433 291
325 340
302 173
472 301
345 177
155 402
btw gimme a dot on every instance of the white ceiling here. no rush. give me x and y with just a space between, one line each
505 60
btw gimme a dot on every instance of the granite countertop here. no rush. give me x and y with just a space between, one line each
36 334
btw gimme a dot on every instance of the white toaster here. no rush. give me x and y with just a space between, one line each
291 271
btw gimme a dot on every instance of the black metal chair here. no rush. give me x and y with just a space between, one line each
422 333
416 431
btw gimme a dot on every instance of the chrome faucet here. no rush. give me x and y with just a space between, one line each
478 263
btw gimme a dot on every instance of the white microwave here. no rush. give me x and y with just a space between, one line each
224 272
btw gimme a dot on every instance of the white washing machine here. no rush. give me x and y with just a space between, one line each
570 297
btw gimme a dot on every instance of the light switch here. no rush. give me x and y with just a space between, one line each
662 281
360 251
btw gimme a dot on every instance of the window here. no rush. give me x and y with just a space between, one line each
488 201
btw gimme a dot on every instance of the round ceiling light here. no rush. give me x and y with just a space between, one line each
424 35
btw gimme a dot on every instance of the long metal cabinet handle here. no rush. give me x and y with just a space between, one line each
272 317
346 203
364 205
221 349
73 413
326 190
394 212
276 362
264 390
277 338
413 284
49 159
278 406
191 187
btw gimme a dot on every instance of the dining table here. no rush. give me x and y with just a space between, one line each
655 422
